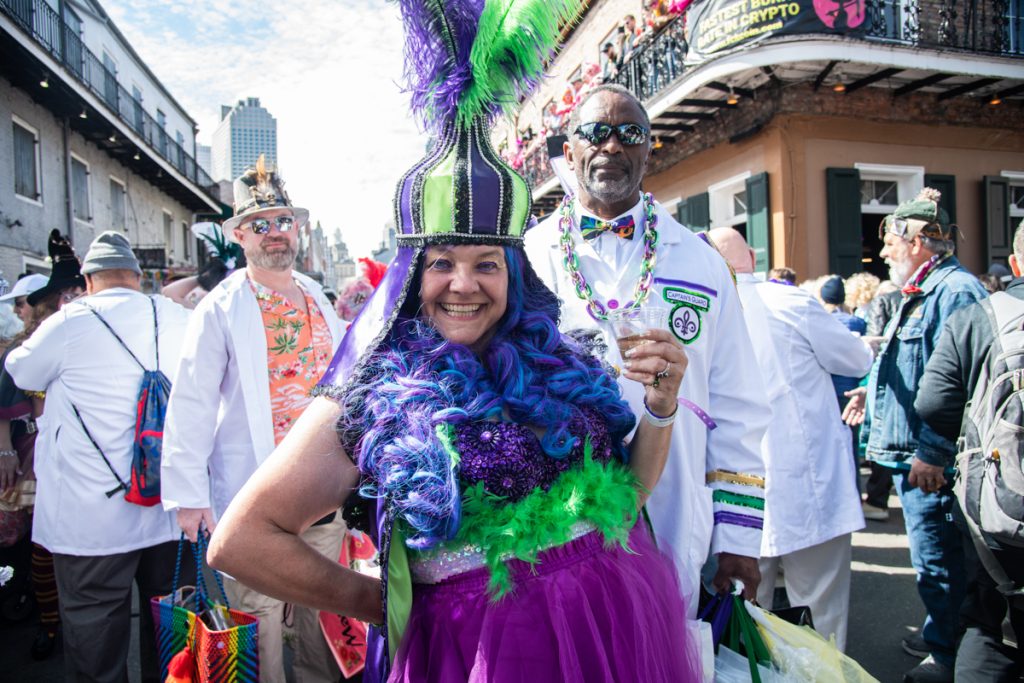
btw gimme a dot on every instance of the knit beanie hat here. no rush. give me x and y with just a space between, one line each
833 291
110 251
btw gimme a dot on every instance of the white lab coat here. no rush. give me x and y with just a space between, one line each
76 361
219 427
812 491
722 378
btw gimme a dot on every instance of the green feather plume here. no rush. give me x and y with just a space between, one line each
514 41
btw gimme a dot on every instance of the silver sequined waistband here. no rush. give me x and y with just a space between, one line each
437 565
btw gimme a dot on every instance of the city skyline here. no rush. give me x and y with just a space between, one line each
344 132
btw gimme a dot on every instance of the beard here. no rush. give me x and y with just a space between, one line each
610 191
272 260
899 272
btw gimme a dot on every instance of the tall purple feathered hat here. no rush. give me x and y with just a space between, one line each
466 60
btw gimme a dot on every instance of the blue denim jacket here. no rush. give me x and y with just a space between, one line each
895 432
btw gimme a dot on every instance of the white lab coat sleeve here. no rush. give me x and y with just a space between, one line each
737 403
837 350
192 411
37 362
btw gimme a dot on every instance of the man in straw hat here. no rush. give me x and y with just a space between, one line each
254 348
918 247
101 544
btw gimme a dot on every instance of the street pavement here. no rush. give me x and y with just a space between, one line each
884 607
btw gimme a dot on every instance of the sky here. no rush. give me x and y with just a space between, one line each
327 70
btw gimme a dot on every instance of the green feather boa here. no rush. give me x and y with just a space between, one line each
603 494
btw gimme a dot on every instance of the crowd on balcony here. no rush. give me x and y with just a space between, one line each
609 56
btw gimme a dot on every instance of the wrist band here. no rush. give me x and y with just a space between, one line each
10 453
659 420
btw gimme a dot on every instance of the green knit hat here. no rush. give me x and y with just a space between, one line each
919 216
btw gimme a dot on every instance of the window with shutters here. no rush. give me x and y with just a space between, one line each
26 161
117 204
882 188
80 201
186 238
728 203
168 234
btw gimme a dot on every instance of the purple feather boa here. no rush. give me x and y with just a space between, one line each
439 35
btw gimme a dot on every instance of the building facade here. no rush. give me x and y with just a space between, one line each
245 131
803 123
90 141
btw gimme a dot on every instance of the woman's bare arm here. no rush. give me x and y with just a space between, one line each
257 541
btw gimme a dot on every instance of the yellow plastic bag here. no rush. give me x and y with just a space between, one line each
803 654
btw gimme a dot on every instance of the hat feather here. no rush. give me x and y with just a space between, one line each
929 194
514 41
471 58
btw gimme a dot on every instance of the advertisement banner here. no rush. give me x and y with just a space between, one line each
719 26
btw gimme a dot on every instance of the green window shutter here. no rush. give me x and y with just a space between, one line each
946 184
698 209
999 244
759 221
845 248
682 212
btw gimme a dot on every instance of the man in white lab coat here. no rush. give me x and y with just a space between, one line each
101 544
812 506
254 348
710 496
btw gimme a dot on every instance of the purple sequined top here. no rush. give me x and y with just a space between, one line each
507 457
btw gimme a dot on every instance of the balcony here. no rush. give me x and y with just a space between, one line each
906 45
46 28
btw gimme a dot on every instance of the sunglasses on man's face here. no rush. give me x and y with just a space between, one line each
261 226
629 134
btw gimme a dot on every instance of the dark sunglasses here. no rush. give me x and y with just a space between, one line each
261 226
629 134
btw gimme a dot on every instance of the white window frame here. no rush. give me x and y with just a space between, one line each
38 265
720 201
88 192
124 201
186 255
38 199
1016 179
909 182
168 229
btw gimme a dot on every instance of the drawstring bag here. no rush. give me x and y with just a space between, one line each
200 640
151 408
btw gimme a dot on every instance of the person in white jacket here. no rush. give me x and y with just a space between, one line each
101 543
812 506
711 494
254 348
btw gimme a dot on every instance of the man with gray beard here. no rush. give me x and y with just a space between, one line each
918 248
254 348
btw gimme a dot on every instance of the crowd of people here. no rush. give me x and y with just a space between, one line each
535 479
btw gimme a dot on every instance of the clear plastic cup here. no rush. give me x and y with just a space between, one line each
630 325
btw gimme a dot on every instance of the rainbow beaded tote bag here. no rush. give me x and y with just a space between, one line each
199 640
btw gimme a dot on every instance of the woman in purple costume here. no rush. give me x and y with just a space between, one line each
500 463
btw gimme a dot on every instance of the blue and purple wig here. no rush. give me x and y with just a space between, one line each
416 380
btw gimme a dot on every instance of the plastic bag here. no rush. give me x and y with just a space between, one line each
801 653
731 667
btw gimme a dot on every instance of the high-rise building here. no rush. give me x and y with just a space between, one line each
204 157
246 131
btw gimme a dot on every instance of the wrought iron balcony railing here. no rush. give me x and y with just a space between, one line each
985 26
40 21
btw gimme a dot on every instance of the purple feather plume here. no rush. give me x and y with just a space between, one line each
439 35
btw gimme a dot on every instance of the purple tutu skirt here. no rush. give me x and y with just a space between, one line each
585 613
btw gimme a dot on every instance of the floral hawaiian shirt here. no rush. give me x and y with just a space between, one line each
299 350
